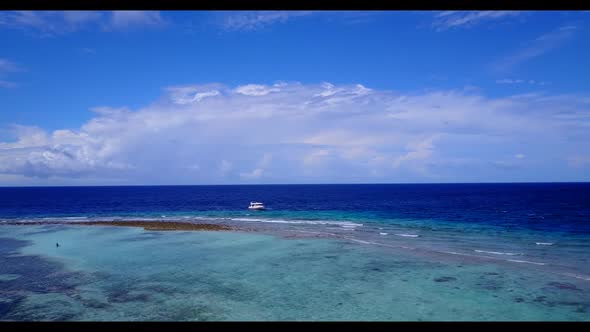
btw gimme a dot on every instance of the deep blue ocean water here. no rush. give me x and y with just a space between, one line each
487 251
561 207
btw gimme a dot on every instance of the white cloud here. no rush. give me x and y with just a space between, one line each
87 50
258 171
579 161
537 47
194 167
256 20
255 174
52 23
506 165
521 81
418 151
256 90
7 66
7 84
191 94
123 19
225 166
299 131
79 17
266 159
315 156
454 19
510 81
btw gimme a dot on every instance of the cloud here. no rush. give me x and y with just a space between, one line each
461 19
255 90
87 50
190 94
259 170
421 150
7 84
541 45
579 161
297 132
124 19
49 22
80 17
7 66
255 174
315 156
507 165
521 81
53 23
519 156
248 21
258 20
225 166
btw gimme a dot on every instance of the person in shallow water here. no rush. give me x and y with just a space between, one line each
56 244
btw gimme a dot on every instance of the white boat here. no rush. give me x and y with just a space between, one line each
256 206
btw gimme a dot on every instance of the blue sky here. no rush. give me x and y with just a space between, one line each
131 97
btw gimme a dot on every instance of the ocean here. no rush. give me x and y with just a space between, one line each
363 252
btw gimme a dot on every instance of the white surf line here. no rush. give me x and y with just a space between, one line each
378 244
464 254
493 258
498 252
445 252
582 277
577 276
528 262
310 232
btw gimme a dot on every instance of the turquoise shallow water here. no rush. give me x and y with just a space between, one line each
117 273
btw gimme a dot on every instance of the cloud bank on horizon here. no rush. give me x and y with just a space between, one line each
290 132
433 96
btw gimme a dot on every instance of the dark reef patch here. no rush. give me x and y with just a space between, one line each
125 295
94 304
490 281
197 312
540 299
563 285
8 304
159 288
146 225
36 275
11 246
493 286
444 279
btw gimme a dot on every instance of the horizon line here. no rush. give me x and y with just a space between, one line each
299 184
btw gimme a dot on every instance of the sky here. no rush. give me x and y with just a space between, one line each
272 97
